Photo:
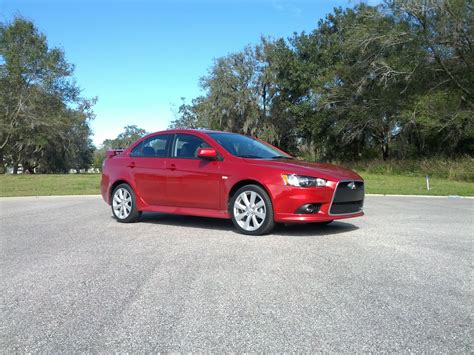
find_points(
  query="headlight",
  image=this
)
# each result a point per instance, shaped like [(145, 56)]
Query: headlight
[(302, 181)]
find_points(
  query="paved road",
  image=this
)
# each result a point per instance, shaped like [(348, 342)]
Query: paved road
[(72, 279)]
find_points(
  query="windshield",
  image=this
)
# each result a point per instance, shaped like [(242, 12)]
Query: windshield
[(246, 147)]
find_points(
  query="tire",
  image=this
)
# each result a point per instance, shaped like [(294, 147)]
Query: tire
[(246, 216), (123, 203)]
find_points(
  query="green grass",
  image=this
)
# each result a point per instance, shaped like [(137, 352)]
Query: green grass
[(88, 184), (460, 169), (46, 185), (414, 185)]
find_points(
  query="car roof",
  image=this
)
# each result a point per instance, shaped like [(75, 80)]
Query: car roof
[(191, 130), (176, 131)]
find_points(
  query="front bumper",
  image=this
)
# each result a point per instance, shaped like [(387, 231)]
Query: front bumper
[(346, 203)]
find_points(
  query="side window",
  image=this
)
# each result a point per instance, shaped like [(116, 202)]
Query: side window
[(137, 151), (187, 146), (153, 147)]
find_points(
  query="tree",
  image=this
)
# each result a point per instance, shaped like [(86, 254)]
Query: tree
[(367, 81), (40, 104), (130, 134), (393, 80), (188, 116), (230, 100), (440, 121), (242, 95)]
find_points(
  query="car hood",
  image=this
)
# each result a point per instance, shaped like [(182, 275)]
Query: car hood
[(322, 170)]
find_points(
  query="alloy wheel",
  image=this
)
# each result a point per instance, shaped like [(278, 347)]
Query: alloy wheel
[(122, 203), (249, 210)]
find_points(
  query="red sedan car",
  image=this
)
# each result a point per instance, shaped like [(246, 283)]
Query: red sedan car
[(226, 175)]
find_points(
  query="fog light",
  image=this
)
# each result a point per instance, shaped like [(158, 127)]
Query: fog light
[(309, 208)]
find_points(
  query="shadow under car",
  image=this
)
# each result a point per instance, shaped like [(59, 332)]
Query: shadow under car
[(297, 230)]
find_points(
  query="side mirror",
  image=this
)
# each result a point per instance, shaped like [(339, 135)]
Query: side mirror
[(207, 153)]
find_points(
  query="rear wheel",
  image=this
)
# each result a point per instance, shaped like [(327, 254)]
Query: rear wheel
[(252, 211), (124, 206)]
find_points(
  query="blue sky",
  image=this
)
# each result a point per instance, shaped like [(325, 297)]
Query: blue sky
[(140, 57)]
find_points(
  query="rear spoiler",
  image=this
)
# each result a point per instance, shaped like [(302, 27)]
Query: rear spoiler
[(113, 152)]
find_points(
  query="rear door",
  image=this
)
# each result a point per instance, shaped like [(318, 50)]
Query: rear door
[(192, 182), (147, 164)]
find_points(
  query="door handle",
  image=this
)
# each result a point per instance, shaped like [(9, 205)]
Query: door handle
[(131, 164), (172, 167)]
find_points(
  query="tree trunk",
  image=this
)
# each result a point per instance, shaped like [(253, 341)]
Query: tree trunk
[(385, 152), (15, 168), (28, 168), (3, 170)]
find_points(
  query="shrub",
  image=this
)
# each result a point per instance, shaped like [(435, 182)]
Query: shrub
[(460, 169)]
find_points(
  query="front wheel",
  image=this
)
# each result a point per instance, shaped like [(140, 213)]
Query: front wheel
[(124, 206), (252, 211)]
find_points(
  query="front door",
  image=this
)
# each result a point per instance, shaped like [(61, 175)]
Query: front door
[(192, 182)]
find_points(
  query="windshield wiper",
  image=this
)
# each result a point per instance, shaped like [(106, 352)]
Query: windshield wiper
[(249, 156), (281, 157)]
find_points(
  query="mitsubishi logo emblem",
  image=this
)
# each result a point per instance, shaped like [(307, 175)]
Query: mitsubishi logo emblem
[(352, 185)]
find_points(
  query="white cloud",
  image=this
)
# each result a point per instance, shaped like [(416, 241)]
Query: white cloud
[(286, 6)]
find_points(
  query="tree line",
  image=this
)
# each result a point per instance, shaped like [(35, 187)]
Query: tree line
[(388, 81)]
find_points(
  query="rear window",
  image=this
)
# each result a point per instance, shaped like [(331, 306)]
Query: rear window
[(153, 147)]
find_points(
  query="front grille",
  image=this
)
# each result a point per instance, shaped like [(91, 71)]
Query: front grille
[(348, 198), (346, 207)]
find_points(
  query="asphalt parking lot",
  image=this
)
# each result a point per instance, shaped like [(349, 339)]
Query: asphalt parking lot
[(74, 280)]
